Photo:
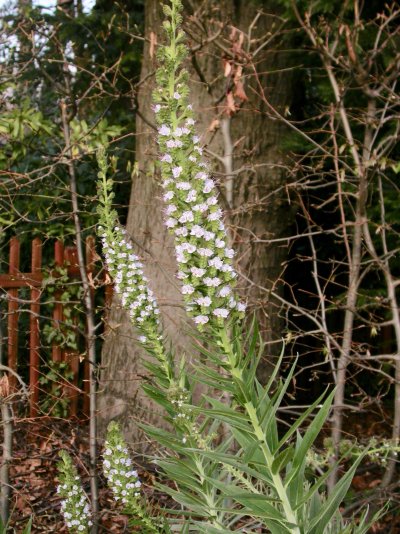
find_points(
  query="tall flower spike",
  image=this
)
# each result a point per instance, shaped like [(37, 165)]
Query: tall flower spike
[(123, 479), (126, 269), (74, 504), (192, 214)]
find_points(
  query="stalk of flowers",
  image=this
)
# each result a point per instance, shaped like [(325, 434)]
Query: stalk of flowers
[(192, 214), (126, 269), (123, 479), (74, 505)]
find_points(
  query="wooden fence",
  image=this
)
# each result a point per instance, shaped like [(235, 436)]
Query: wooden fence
[(10, 284)]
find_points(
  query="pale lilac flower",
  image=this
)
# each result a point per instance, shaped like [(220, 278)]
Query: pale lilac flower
[(178, 143), (164, 130), (215, 215), (232, 302), (197, 231), (166, 158), (157, 108), (170, 209), (171, 143), (196, 139), (212, 282), (177, 96), (181, 258), (198, 272), (212, 201), (201, 319), (190, 122), (224, 291), (219, 243), (208, 236), (221, 312), (187, 289), (206, 252), (241, 307), (204, 301), (181, 275), (229, 253), (170, 223), (201, 176), (187, 216), (208, 186), (200, 207), (226, 268), (184, 186), (192, 158), (183, 231), (187, 247), (216, 262), (176, 171), (191, 196), (169, 195), (178, 132)]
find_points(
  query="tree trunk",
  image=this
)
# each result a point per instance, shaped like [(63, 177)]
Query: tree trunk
[(255, 198)]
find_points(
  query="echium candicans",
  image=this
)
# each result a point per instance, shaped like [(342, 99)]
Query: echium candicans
[(74, 504), (126, 269), (123, 480), (192, 213)]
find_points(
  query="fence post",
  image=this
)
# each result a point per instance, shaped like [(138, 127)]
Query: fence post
[(13, 314), (56, 351), (72, 356), (34, 336)]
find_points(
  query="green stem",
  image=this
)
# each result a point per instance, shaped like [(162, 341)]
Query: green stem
[(248, 405)]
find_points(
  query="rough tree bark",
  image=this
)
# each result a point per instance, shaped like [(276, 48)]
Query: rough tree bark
[(250, 168)]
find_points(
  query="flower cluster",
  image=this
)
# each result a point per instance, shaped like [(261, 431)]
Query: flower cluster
[(126, 269), (74, 504), (117, 467), (192, 213), (131, 284)]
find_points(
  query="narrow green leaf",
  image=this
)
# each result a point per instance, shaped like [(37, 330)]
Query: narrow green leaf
[(281, 460), (309, 438), (331, 506)]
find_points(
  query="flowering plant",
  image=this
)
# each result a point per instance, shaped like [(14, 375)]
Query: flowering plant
[(256, 477), (192, 211), (124, 481), (74, 504)]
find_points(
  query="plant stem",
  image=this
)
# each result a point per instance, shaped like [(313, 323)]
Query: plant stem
[(90, 324), (248, 405)]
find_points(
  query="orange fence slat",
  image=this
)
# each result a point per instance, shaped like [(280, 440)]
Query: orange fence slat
[(21, 280), (12, 323), (56, 351), (72, 356), (34, 335)]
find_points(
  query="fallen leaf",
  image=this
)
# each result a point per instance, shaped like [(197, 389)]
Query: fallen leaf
[(227, 68), (214, 125), (230, 104), (239, 91)]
